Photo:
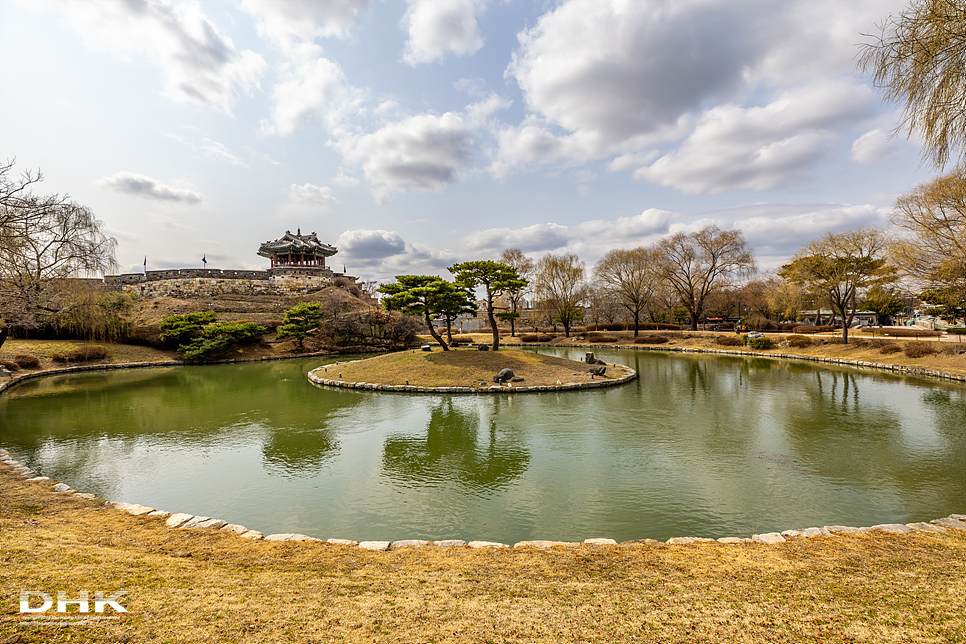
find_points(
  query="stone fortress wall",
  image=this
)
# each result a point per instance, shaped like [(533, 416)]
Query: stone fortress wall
[(205, 282)]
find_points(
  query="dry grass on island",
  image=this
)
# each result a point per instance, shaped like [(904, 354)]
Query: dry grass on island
[(467, 368)]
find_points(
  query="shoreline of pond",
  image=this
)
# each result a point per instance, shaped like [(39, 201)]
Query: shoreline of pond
[(184, 520)]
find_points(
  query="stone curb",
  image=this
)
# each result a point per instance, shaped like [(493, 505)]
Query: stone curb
[(315, 379), (184, 521)]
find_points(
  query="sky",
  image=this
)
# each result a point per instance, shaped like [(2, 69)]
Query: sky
[(413, 134)]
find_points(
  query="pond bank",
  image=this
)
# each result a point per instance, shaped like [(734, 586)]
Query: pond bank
[(209, 585)]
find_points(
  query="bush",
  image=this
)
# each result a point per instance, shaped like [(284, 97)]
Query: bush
[(804, 328), (650, 339), (956, 330), (27, 361), (762, 324), (729, 341), (759, 344), (889, 348), (536, 337), (643, 326), (178, 329), (9, 365), (920, 349), (81, 354), (908, 333), (218, 339), (601, 337), (800, 341)]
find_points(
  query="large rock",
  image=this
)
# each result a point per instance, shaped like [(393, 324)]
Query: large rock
[(374, 545), (950, 523), (505, 375), (892, 527), (204, 522), (177, 519), (596, 541), (598, 370), (768, 537), (542, 543), (486, 544), (483, 347)]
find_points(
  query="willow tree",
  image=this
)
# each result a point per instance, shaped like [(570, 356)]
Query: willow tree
[(838, 267), (918, 60), (932, 250), (45, 241), (698, 264)]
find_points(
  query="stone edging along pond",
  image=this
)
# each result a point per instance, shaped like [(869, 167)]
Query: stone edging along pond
[(188, 521)]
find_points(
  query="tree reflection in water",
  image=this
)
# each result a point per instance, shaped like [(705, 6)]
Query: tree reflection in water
[(454, 449), (299, 452)]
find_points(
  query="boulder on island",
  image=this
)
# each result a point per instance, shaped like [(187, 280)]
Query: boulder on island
[(504, 376), (483, 347), (598, 370)]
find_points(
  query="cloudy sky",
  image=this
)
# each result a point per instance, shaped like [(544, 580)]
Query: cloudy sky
[(415, 133)]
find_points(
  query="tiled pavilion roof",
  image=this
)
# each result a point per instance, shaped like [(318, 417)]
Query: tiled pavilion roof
[(296, 244)]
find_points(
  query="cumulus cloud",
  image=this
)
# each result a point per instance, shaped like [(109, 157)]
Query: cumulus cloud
[(312, 87), (438, 28), (634, 80), (311, 194), (198, 63), (371, 244), (139, 185), (875, 146), (619, 68), (286, 21), (761, 148), (423, 152)]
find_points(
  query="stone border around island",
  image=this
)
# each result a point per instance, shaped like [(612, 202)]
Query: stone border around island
[(490, 389), (184, 521), (189, 521)]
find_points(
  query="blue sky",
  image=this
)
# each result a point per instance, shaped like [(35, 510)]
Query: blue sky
[(413, 134)]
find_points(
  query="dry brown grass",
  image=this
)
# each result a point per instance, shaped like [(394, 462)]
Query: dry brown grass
[(204, 586), (43, 350), (464, 368)]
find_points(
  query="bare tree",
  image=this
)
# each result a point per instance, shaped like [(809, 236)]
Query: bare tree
[(918, 59), (933, 250), (837, 268), (698, 264), (559, 284), (631, 276), (44, 241), (604, 305), (524, 266)]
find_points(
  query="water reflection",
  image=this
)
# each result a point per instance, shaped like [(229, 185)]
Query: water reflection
[(455, 448), (299, 453)]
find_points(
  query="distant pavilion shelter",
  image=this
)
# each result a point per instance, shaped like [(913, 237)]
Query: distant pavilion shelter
[(297, 250)]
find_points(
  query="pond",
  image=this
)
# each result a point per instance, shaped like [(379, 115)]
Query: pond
[(698, 446)]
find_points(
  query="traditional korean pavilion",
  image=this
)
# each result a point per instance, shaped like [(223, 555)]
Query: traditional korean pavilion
[(297, 251)]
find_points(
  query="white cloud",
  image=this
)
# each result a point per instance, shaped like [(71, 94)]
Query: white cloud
[(875, 146), (423, 152), (218, 150), (197, 62), (288, 21), (139, 185), (761, 148), (438, 28), (371, 244), (619, 68), (312, 87), (315, 195)]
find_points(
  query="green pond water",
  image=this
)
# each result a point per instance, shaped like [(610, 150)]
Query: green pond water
[(697, 446)]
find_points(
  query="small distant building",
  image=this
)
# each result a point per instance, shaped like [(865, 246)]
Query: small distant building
[(297, 266)]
